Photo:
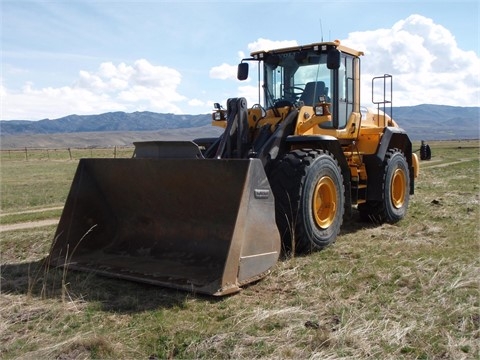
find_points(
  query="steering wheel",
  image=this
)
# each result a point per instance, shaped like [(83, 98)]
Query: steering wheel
[(290, 92)]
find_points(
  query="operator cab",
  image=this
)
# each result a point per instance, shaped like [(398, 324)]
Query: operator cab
[(308, 75)]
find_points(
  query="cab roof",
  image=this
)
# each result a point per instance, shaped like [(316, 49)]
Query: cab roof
[(314, 46)]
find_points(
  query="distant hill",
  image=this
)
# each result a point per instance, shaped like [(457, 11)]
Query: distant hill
[(112, 121), (439, 122), (422, 122)]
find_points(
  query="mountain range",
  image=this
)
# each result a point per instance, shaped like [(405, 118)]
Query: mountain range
[(422, 122), (112, 121)]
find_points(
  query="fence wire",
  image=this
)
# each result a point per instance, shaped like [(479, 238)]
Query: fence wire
[(30, 154)]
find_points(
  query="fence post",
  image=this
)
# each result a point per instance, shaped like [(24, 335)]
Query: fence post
[(26, 154), (115, 152), (70, 153)]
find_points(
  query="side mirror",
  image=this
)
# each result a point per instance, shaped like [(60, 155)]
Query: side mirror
[(333, 59), (242, 71)]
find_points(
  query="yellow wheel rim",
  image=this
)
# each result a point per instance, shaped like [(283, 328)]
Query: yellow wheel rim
[(398, 186), (324, 202)]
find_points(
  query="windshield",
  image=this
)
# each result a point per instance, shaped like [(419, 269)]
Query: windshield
[(300, 77)]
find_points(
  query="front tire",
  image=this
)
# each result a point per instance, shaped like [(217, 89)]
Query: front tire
[(309, 199)]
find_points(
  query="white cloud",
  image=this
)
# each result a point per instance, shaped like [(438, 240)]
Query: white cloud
[(266, 44), (250, 93), (197, 103), (424, 58), (122, 87), (148, 75), (224, 72), (425, 61), (54, 102)]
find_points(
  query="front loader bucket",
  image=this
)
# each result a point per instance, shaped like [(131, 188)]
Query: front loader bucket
[(201, 225)]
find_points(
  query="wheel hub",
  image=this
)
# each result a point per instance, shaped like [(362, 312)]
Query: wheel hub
[(324, 202), (398, 187)]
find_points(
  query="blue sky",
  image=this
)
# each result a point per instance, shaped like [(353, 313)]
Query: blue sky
[(62, 57)]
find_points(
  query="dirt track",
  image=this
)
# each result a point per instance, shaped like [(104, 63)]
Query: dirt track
[(29, 224), (443, 164)]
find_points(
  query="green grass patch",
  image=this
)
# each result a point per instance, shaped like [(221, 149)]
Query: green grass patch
[(403, 291), (42, 178), (35, 184)]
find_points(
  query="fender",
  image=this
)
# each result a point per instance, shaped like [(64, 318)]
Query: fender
[(331, 144), (397, 138), (393, 138)]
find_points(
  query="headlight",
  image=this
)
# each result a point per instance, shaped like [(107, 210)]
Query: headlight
[(218, 115), (322, 109), (319, 110)]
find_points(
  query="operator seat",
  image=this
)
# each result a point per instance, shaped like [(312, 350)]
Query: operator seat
[(312, 91)]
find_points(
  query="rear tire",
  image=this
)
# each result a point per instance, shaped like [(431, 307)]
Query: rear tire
[(425, 152), (395, 192), (309, 199)]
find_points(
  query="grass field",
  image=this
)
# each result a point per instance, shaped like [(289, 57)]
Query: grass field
[(403, 291)]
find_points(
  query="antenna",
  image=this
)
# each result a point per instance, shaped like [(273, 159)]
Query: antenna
[(321, 29)]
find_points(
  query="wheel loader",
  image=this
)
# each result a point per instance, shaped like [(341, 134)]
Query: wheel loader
[(213, 214)]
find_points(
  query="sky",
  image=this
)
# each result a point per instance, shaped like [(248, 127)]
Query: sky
[(63, 57)]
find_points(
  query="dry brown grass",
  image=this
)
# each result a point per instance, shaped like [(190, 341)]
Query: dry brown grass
[(404, 291)]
